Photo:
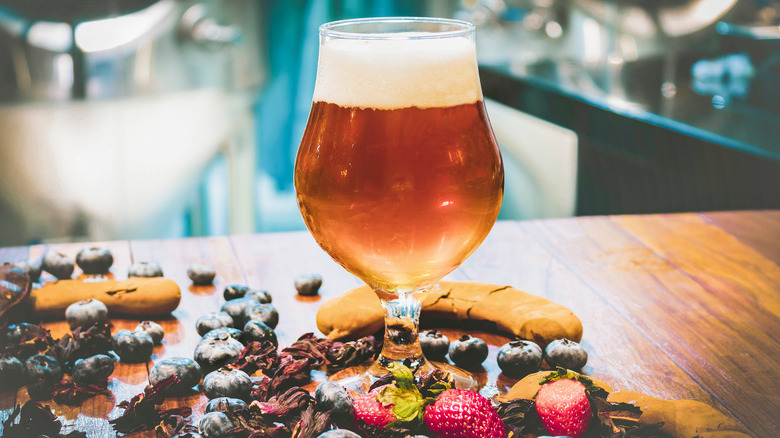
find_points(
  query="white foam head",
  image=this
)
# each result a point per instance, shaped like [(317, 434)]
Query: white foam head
[(398, 73)]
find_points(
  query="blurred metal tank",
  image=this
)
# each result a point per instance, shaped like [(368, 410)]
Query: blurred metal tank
[(110, 110)]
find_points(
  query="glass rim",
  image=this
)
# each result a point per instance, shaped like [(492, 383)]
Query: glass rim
[(331, 29)]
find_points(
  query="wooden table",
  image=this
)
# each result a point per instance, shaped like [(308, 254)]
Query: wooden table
[(675, 306)]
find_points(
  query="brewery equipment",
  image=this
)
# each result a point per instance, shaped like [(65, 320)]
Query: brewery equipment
[(111, 110)]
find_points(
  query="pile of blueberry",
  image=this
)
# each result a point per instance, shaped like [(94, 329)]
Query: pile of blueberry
[(41, 372), (516, 358)]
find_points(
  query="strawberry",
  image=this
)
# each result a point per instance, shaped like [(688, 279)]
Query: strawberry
[(398, 404), (369, 411), (563, 407), (460, 413)]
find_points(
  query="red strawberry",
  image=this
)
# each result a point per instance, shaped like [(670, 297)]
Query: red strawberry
[(460, 413), (563, 407), (371, 412)]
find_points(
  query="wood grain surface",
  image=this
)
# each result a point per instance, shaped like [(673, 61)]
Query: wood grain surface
[(683, 306)]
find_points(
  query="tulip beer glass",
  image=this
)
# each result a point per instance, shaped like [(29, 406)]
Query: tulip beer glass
[(398, 175)]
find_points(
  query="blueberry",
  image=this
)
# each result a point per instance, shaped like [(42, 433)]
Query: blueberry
[(58, 265), (265, 313), (227, 382), (94, 260), (211, 354), (229, 332), (262, 296), (338, 433), (226, 404), (41, 373), (11, 373), (16, 333), (93, 370), (434, 344), (201, 275), (188, 435), (144, 269), (154, 330), (567, 354), (213, 320), (309, 284), (31, 267), (519, 358), (256, 331), (86, 313), (132, 347), (214, 425), (468, 352), (236, 308), (334, 398), (234, 291), (186, 369)]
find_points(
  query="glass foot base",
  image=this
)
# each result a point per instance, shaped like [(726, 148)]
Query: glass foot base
[(360, 379)]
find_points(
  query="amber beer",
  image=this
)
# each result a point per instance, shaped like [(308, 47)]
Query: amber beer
[(398, 175)]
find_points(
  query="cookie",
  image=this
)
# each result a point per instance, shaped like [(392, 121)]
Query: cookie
[(358, 313)]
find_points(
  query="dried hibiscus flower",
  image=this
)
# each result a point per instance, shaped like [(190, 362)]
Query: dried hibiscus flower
[(257, 356), (24, 340), (142, 412), (83, 343), (309, 347), (35, 420), (343, 355), (71, 393)]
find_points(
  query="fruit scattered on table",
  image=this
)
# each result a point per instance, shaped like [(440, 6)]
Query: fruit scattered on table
[(333, 397), (265, 313), (262, 296), (338, 433), (227, 382), (132, 347), (256, 331), (154, 330), (213, 353), (233, 291), (566, 354), (94, 260), (144, 269), (32, 267), (200, 274), (185, 369), (308, 284), (435, 345), (41, 373), (223, 331), (93, 370), (214, 425), (11, 372), (468, 352), (58, 264), (226, 404), (519, 358), (563, 407), (460, 413), (85, 313), (237, 307), (212, 321)]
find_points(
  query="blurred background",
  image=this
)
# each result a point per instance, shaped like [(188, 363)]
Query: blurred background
[(127, 119)]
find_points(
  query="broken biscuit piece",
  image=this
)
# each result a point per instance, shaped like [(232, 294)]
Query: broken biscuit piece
[(358, 313)]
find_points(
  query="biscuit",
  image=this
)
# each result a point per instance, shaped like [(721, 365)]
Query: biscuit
[(358, 313)]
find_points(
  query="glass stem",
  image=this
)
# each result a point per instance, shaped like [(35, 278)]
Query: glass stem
[(402, 341)]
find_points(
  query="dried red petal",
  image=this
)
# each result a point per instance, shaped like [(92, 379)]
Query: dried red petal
[(71, 393)]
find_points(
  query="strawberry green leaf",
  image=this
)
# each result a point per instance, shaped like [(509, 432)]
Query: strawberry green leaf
[(408, 404), (562, 373), (404, 377)]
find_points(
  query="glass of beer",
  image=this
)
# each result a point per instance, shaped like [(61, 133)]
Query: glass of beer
[(398, 175)]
